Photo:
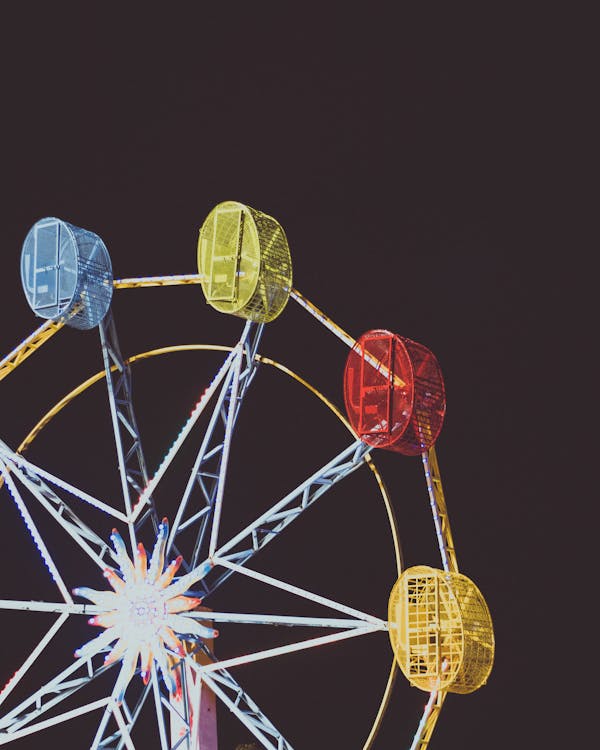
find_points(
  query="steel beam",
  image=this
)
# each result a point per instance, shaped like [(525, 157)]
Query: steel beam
[(439, 510), (209, 471), (93, 545), (130, 457), (239, 702), (270, 524)]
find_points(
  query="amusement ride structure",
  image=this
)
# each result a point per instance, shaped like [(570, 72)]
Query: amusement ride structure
[(154, 642)]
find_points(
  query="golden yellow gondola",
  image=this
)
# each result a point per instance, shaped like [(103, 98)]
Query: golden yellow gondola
[(441, 630), (244, 259)]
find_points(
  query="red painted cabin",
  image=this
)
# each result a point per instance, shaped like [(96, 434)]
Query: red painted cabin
[(394, 393)]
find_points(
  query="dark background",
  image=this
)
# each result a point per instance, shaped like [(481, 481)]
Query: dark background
[(422, 170)]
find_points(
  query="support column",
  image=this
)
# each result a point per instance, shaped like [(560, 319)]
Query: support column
[(198, 705)]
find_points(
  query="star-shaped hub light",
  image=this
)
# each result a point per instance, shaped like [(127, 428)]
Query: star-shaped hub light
[(142, 614)]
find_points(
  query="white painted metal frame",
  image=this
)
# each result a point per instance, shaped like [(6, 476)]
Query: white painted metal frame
[(130, 457), (62, 513), (209, 475), (210, 467)]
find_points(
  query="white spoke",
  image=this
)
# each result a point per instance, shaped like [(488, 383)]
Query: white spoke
[(50, 564), (116, 710), (288, 649), (60, 607), (185, 431), (208, 475), (285, 620), (111, 705), (17, 735), (19, 460), (254, 720), (176, 717), (381, 624), (101, 727), (78, 531), (131, 717), (55, 686), (338, 467), (176, 527), (270, 524), (22, 670), (226, 445), (137, 710)]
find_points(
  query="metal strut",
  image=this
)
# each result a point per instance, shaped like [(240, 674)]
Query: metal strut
[(77, 675), (94, 546), (239, 702), (34, 341), (428, 720), (121, 737), (132, 464), (439, 510), (443, 532), (147, 281), (108, 739), (27, 347), (269, 525), (209, 472)]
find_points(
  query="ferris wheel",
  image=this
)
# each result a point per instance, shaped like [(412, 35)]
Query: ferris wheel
[(153, 636)]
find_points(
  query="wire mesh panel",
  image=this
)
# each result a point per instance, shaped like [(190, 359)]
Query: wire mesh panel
[(66, 270), (378, 388), (441, 630), (394, 392), (429, 404), (244, 258)]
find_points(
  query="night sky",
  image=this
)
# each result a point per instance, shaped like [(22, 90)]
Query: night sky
[(417, 167)]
